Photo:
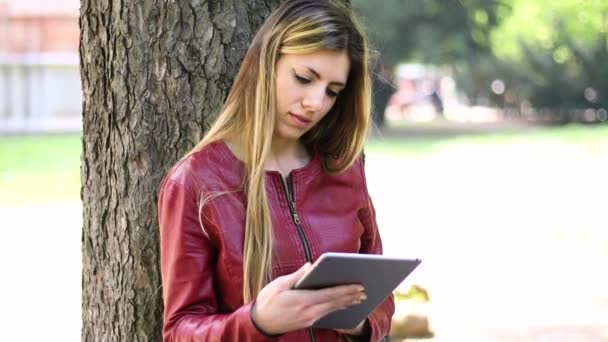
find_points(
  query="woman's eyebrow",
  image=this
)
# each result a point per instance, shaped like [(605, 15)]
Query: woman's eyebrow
[(317, 75)]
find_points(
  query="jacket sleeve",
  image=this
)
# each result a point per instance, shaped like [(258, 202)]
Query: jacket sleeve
[(188, 261), (380, 319)]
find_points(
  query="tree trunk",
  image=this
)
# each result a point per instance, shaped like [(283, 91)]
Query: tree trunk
[(154, 73)]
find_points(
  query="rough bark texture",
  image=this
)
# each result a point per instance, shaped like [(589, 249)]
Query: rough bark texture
[(153, 74)]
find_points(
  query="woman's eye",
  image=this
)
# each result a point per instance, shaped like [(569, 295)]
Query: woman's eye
[(331, 93), (301, 79)]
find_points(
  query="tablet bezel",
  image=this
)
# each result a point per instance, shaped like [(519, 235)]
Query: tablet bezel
[(379, 274)]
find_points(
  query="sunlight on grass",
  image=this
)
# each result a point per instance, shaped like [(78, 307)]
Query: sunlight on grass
[(39, 169), (593, 138)]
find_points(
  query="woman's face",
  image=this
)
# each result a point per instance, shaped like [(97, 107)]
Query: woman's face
[(307, 88)]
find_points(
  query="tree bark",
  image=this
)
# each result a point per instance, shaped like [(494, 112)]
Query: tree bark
[(154, 73)]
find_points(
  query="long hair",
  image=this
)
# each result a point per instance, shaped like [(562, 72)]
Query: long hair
[(295, 27)]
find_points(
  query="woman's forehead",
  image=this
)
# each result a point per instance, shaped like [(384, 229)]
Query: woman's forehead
[(325, 64)]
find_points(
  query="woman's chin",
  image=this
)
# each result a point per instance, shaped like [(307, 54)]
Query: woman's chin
[(289, 133)]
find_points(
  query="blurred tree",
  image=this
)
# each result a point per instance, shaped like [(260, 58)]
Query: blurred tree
[(432, 31), (382, 89), (153, 73), (429, 32), (554, 53), (547, 53)]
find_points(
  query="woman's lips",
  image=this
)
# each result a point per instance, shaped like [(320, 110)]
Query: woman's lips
[(299, 120)]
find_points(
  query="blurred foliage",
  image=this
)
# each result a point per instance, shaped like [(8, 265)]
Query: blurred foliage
[(541, 22), (430, 31), (555, 53), (414, 292), (548, 53)]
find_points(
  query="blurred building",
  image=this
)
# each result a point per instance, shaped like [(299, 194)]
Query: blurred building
[(40, 88)]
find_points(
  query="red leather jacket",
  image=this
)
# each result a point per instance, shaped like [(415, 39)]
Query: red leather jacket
[(202, 272)]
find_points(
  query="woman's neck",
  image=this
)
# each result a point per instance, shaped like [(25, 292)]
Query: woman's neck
[(286, 148), (286, 156)]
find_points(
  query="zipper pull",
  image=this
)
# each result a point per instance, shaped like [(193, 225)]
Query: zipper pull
[(296, 218)]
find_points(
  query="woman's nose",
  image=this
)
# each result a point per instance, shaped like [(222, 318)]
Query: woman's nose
[(313, 100)]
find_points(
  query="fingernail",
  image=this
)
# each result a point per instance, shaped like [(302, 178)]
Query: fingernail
[(363, 297)]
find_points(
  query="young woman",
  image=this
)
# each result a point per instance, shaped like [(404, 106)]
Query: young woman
[(276, 181)]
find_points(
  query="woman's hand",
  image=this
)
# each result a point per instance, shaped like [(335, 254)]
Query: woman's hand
[(279, 308)]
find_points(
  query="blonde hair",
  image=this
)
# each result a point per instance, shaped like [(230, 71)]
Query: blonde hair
[(295, 27)]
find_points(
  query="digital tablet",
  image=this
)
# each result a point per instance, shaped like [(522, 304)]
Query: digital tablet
[(379, 274)]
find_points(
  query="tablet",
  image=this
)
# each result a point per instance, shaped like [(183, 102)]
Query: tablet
[(379, 274)]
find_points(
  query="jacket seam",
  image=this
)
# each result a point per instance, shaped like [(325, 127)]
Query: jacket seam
[(363, 181), (191, 189)]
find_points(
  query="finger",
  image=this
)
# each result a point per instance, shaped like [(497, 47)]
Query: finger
[(339, 303), (288, 281), (343, 293), (323, 309)]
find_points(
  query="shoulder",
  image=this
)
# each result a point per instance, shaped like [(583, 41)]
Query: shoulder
[(356, 176), (357, 170), (204, 168), (352, 177)]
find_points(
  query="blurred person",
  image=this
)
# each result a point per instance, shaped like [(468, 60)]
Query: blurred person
[(431, 92), (277, 180), (401, 99)]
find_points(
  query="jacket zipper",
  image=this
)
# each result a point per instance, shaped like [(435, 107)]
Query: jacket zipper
[(288, 187)]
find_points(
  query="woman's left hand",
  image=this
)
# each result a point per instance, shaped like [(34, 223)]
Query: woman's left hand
[(361, 329)]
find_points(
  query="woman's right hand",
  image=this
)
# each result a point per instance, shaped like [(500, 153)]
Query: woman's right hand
[(279, 308)]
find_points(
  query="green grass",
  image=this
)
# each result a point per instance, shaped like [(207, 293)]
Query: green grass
[(595, 137), (402, 146), (47, 168), (39, 169)]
